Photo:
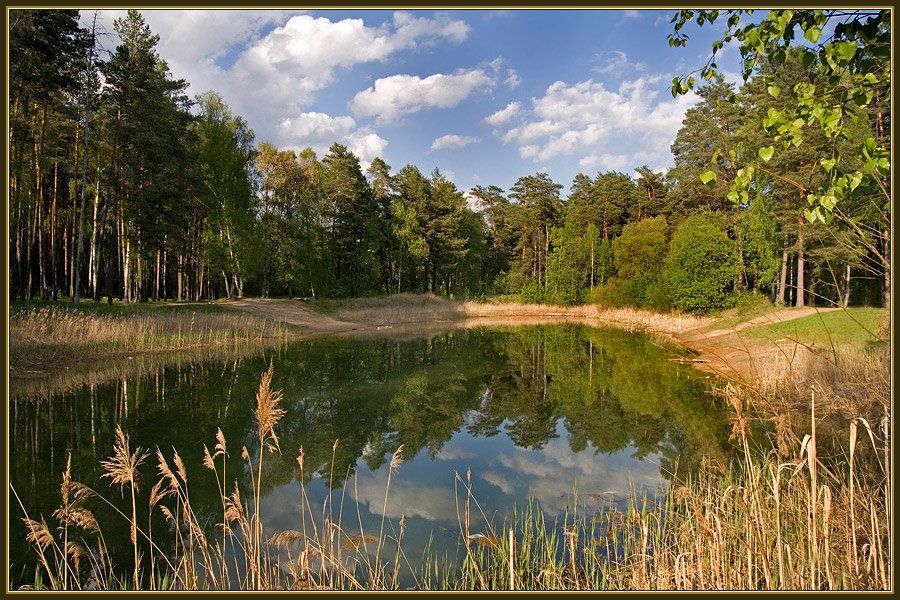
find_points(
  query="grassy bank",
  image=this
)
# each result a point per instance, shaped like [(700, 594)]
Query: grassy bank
[(47, 335), (792, 513), (857, 327)]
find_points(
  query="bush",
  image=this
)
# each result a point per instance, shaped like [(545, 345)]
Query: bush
[(639, 253), (702, 264), (609, 295), (641, 248), (508, 283), (658, 296), (531, 292)]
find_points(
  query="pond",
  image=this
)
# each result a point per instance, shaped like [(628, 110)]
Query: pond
[(557, 414)]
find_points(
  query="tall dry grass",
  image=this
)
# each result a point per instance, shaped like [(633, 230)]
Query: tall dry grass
[(771, 523), (781, 517), (408, 308), (57, 334)]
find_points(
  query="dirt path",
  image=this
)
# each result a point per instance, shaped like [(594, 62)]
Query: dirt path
[(737, 357), (293, 313)]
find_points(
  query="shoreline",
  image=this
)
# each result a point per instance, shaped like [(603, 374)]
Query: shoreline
[(725, 352)]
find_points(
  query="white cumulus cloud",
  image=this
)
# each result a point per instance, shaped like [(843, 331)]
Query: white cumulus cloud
[(319, 130), (392, 97), (270, 73), (588, 119), (452, 141), (512, 79), (504, 114)]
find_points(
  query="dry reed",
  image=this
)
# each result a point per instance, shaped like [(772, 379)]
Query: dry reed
[(407, 308), (52, 336), (792, 518)]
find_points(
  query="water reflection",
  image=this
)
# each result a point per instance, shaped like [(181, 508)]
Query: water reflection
[(533, 412)]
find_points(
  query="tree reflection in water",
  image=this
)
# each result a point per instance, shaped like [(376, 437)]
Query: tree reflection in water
[(531, 410)]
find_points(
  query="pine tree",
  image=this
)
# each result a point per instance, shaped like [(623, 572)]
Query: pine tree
[(352, 213)]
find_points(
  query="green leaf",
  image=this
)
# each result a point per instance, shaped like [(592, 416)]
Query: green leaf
[(845, 50), (774, 91), (827, 164), (708, 178), (766, 153), (807, 58), (813, 34)]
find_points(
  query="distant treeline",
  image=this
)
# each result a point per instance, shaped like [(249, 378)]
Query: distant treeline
[(122, 187)]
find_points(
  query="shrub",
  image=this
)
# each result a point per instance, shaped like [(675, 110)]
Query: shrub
[(639, 253), (531, 292), (609, 295), (702, 264), (641, 248)]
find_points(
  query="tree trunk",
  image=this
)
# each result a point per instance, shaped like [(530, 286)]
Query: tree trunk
[(156, 275), (801, 268), (812, 289), (94, 260), (792, 289), (180, 276), (111, 256), (127, 272), (53, 275), (782, 282), (84, 169), (592, 259), (42, 275), (845, 302)]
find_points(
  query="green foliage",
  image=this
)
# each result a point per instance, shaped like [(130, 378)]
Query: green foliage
[(224, 153), (760, 244), (638, 256), (149, 129), (854, 73), (699, 180), (185, 205), (641, 248), (604, 202), (701, 265), (351, 211), (568, 263), (648, 197), (531, 292), (540, 210)]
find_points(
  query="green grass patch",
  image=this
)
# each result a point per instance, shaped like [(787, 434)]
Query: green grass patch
[(747, 307), (860, 327)]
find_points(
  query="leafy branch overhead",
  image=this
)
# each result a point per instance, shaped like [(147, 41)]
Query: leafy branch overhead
[(848, 53)]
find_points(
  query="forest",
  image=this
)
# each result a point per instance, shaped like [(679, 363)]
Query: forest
[(595, 382), (121, 186)]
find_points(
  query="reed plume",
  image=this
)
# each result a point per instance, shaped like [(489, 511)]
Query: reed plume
[(122, 469)]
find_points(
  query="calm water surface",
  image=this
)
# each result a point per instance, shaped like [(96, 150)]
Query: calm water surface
[(531, 412)]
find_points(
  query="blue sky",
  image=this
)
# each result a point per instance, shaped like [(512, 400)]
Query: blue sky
[(486, 96)]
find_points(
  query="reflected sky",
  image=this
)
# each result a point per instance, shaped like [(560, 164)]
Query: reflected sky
[(538, 412)]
